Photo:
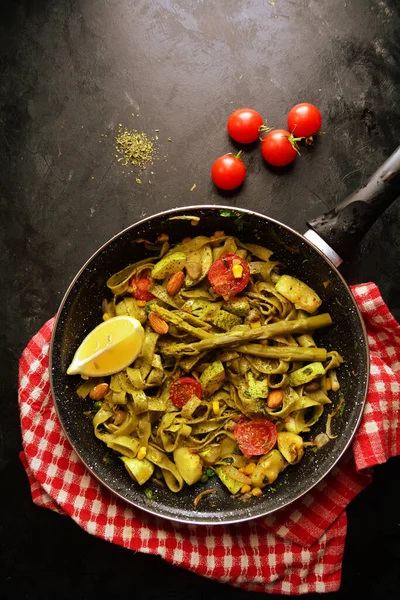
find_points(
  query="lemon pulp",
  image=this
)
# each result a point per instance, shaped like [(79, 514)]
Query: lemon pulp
[(110, 347)]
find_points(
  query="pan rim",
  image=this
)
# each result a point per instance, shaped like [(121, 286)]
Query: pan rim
[(172, 211)]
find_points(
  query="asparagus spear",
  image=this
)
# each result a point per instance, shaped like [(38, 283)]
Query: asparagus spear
[(238, 337), (287, 353), (173, 317), (193, 320)]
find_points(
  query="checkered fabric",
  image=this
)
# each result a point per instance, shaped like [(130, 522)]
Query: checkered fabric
[(295, 551)]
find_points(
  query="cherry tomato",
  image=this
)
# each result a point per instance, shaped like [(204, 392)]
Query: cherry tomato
[(304, 120), (277, 149), (243, 125), (228, 171), (183, 389), (139, 287), (222, 278), (255, 437)]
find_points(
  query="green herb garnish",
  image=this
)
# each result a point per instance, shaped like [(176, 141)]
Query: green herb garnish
[(108, 459), (239, 221), (224, 212), (149, 493), (238, 216), (278, 484), (148, 306)]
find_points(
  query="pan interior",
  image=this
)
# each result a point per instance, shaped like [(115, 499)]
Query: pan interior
[(80, 312)]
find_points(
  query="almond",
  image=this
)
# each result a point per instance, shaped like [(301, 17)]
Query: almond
[(158, 324), (175, 283), (99, 391), (275, 398)]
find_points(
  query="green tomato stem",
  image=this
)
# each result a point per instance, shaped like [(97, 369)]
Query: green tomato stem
[(239, 154), (263, 129), (293, 141)]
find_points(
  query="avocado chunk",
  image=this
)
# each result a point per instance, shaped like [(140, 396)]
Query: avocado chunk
[(213, 377), (238, 306), (232, 485), (225, 320), (299, 293), (306, 374), (257, 388), (169, 265), (204, 257), (139, 470)]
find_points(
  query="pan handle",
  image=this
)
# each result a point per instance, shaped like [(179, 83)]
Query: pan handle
[(343, 227)]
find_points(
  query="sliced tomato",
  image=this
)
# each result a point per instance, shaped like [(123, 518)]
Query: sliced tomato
[(222, 279), (255, 437), (183, 389), (140, 287)]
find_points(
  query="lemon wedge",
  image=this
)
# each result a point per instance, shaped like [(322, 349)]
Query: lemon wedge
[(108, 348)]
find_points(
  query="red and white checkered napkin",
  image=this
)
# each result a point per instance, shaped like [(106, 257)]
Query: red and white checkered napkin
[(295, 551)]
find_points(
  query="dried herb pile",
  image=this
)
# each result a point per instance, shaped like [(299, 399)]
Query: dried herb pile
[(135, 147)]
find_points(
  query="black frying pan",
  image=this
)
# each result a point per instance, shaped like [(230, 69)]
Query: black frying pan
[(80, 311)]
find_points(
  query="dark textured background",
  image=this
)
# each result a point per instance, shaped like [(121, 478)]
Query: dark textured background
[(71, 71)]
